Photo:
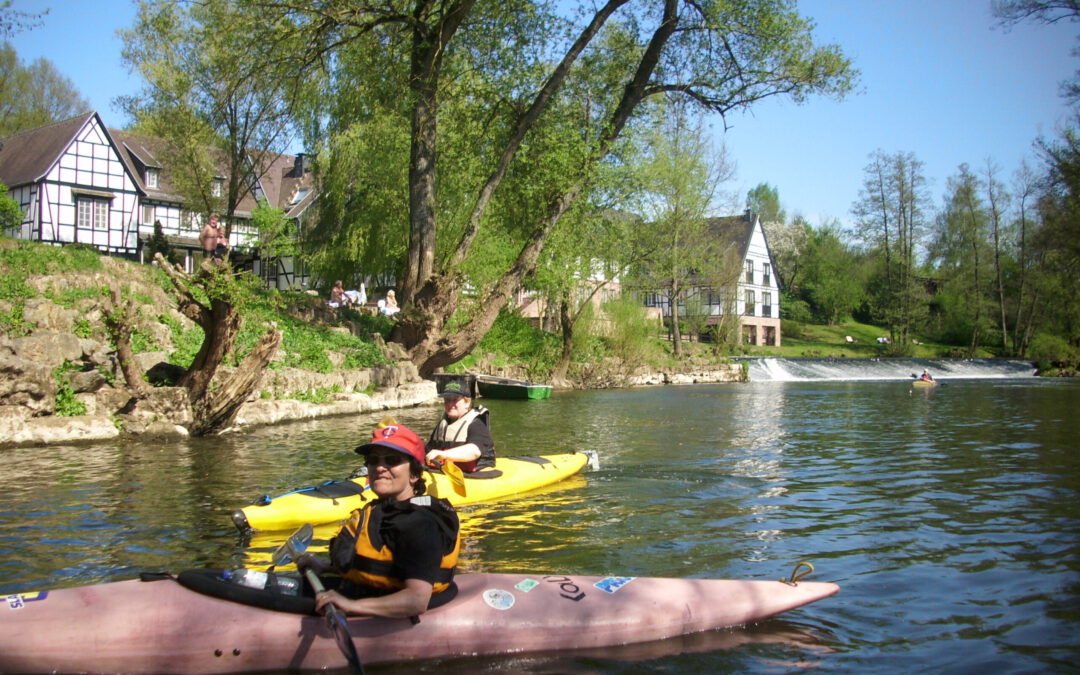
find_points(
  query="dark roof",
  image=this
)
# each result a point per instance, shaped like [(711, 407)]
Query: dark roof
[(734, 233), (27, 156)]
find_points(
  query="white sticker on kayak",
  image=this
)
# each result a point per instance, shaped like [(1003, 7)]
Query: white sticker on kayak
[(526, 585), (612, 584), (19, 600), (498, 599)]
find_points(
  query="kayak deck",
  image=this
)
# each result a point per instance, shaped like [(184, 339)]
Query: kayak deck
[(333, 501)]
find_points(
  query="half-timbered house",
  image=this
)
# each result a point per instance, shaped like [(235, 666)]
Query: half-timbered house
[(78, 181), (752, 294)]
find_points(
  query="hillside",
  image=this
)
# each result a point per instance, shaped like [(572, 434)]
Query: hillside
[(61, 378)]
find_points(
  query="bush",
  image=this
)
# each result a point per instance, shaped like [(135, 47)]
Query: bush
[(1050, 350)]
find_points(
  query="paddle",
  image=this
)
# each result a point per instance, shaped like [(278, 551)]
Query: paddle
[(453, 472), (293, 547)]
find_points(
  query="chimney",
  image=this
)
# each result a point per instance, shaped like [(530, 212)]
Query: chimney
[(302, 165)]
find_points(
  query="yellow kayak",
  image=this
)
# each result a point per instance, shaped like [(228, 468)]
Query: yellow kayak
[(333, 501), (919, 384)]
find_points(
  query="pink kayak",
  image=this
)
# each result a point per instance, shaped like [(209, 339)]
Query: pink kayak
[(161, 626)]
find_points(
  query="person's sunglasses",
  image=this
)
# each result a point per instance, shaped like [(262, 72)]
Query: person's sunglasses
[(389, 461)]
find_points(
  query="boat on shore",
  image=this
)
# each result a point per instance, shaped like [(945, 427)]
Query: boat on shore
[(163, 626), (490, 386), (334, 500)]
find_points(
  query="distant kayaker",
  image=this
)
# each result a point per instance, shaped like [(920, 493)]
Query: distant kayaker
[(462, 435), (926, 376), (397, 554)]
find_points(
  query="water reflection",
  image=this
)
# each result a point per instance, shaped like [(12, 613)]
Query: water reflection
[(948, 516)]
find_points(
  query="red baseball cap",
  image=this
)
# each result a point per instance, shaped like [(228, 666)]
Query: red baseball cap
[(396, 437)]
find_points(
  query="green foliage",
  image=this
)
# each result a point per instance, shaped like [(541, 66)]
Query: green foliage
[(318, 396), (158, 243), (514, 339), (20, 259), (10, 213), (1049, 350), (305, 345), (33, 95), (630, 336), (186, 342), (764, 200), (83, 329), (66, 403)]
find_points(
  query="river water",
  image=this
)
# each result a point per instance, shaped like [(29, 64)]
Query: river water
[(949, 517)]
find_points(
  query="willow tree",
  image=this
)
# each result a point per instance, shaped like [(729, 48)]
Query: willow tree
[(722, 56)]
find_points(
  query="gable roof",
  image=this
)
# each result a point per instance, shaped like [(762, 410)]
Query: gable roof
[(734, 233), (27, 156)]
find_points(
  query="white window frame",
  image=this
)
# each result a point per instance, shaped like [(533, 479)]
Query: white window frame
[(751, 302), (217, 187), (152, 178), (92, 212), (749, 271)]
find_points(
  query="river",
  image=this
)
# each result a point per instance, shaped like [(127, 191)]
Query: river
[(949, 517)]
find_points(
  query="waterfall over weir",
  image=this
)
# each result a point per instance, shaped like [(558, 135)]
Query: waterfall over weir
[(764, 369)]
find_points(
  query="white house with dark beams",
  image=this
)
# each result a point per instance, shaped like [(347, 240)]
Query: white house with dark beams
[(755, 298), (78, 181)]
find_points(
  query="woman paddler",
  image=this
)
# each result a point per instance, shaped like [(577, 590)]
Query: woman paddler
[(397, 554)]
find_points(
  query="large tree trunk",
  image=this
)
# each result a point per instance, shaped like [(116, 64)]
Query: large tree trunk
[(215, 410), (422, 328)]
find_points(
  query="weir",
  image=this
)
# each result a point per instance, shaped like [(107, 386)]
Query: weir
[(763, 369)]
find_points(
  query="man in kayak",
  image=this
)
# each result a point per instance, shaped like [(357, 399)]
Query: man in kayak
[(462, 435), (396, 554), (926, 377)]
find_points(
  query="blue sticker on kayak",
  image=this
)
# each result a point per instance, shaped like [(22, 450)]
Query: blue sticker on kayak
[(19, 600), (612, 584)]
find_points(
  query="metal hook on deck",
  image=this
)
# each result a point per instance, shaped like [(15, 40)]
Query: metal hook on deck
[(796, 575)]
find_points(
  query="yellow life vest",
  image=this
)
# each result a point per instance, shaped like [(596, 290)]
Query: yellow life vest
[(359, 548)]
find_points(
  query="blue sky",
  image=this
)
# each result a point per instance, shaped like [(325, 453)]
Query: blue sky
[(938, 80)]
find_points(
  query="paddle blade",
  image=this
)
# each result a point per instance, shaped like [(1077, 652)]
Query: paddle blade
[(336, 619), (386, 421), (457, 479), (294, 546)]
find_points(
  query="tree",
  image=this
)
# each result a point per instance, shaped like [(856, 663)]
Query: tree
[(764, 200), (35, 95), (890, 215), (961, 249), (1012, 12), (723, 56), (681, 177), (220, 99), (997, 201), (787, 242), (14, 21), (1057, 241), (1025, 191), (833, 284), (213, 298), (11, 214)]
